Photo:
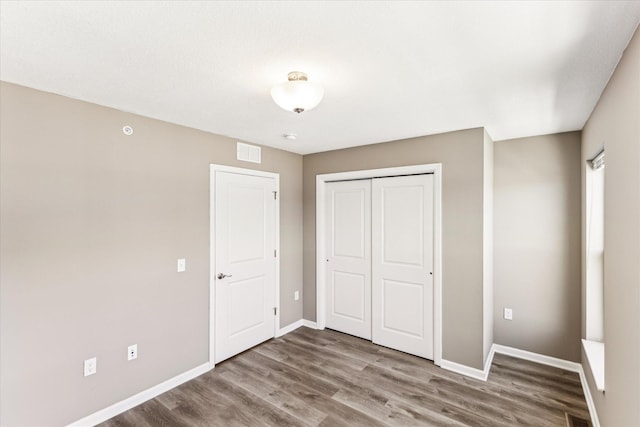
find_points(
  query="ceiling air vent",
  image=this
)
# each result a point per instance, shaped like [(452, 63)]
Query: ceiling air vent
[(248, 153)]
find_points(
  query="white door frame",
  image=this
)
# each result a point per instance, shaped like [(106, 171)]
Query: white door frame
[(213, 168), (321, 180)]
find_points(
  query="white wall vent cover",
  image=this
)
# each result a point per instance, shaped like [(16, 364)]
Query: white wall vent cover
[(249, 153)]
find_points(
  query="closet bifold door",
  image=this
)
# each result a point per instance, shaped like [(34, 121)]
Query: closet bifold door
[(348, 251), (402, 263)]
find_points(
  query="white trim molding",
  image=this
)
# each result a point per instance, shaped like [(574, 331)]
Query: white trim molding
[(322, 180), (135, 400), (557, 363), (465, 370), (290, 328), (295, 325), (589, 398), (538, 358), (148, 394), (309, 324), (483, 375), (468, 371), (594, 350)]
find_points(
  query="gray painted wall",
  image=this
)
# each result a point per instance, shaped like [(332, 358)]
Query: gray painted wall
[(537, 244), (461, 154), (615, 124), (92, 224)]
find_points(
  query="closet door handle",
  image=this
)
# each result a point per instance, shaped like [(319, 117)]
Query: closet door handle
[(222, 275)]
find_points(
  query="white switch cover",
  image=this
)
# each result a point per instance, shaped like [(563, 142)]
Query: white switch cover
[(182, 265), (508, 314), (296, 295), (132, 352), (90, 366)]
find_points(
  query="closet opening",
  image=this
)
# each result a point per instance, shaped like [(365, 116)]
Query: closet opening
[(378, 270)]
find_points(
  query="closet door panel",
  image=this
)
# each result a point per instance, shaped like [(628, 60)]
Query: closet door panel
[(348, 263), (402, 263)]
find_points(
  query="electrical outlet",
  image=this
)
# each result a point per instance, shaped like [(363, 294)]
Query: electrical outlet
[(90, 366), (508, 314), (182, 265), (296, 295), (132, 352)]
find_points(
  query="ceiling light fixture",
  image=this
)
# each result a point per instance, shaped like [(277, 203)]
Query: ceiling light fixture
[(298, 94), (290, 136)]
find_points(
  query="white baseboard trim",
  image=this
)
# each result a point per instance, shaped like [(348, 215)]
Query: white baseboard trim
[(295, 325), (463, 369), (589, 398), (468, 371), (557, 363), (148, 394), (533, 357), (135, 400), (290, 328), (309, 324), (538, 358)]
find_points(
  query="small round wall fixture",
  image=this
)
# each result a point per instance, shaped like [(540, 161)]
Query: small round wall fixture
[(297, 94), (127, 130)]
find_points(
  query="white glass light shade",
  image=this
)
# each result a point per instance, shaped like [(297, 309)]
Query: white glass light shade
[(297, 95)]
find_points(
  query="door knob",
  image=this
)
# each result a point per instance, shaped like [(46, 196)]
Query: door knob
[(222, 275)]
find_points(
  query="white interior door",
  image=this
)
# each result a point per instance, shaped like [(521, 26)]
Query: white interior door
[(348, 219), (245, 241), (402, 263)]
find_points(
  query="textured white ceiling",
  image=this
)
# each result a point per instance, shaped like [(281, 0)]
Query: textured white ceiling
[(391, 70)]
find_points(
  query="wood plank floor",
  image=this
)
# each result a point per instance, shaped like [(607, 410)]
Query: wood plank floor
[(326, 378)]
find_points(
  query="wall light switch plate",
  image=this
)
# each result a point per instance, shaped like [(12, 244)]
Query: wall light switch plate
[(508, 314), (90, 366), (182, 265), (296, 295), (132, 352)]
